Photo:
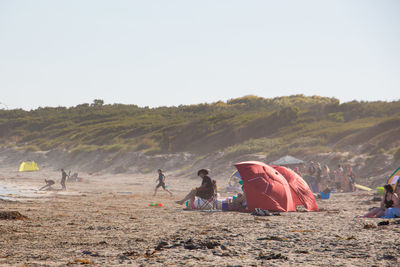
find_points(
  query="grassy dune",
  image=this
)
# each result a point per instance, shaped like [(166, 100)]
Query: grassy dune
[(294, 124)]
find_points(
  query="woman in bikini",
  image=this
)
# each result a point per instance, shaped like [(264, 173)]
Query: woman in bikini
[(387, 202)]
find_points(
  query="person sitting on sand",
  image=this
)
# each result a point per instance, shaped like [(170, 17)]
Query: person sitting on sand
[(394, 211), (386, 203), (48, 185), (73, 177), (205, 191), (161, 182), (239, 203)]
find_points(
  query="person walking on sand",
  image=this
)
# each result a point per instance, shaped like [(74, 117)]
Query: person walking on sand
[(161, 182), (63, 179)]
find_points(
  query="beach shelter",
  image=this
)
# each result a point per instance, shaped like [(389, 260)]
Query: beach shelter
[(28, 166), (265, 187), (234, 178), (287, 160), (234, 183), (394, 179), (301, 193)]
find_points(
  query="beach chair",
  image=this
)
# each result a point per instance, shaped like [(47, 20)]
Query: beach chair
[(208, 204)]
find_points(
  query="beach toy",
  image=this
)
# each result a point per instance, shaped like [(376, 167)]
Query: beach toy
[(362, 187), (380, 190), (155, 205), (325, 195)]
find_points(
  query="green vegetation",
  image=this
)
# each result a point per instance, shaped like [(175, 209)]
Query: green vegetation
[(294, 125)]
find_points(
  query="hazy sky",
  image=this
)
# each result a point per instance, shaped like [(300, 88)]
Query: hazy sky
[(163, 53)]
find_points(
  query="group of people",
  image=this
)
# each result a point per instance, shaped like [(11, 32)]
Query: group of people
[(321, 177), (49, 183)]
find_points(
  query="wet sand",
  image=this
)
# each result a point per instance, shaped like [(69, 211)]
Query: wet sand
[(106, 221)]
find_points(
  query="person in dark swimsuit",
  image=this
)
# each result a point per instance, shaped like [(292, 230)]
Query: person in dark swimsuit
[(394, 210), (387, 202), (161, 182), (63, 179), (205, 191)]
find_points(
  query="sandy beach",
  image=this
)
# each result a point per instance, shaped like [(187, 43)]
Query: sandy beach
[(106, 220), (283, 102)]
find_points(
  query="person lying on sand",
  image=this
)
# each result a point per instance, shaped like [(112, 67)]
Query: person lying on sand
[(48, 185), (205, 191), (161, 182), (386, 203)]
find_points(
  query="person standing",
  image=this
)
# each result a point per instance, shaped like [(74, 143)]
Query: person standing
[(63, 179), (326, 176), (161, 182), (339, 178), (346, 178), (318, 176), (352, 179), (313, 180)]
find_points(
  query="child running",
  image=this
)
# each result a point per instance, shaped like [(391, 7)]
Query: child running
[(161, 182)]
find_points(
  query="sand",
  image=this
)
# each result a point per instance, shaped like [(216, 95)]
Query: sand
[(106, 221)]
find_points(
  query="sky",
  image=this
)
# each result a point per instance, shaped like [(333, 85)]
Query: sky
[(169, 53)]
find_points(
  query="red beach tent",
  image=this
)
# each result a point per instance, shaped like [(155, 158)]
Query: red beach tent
[(301, 193), (265, 187)]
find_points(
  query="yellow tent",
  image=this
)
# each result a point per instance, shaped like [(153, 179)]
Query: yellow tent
[(28, 166)]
